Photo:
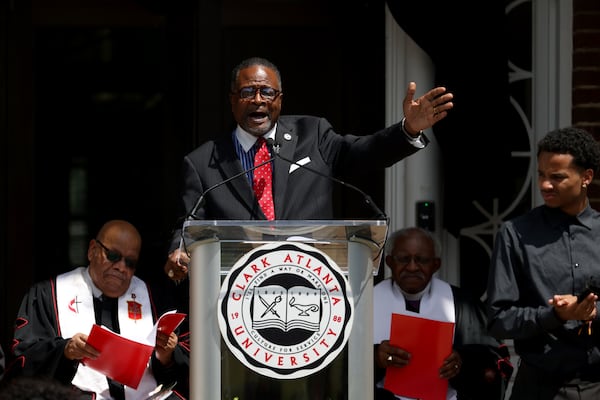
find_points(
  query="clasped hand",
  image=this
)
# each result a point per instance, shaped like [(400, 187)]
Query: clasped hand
[(176, 266), (568, 308), (390, 356)]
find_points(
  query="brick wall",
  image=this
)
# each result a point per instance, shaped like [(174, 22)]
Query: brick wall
[(586, 75)]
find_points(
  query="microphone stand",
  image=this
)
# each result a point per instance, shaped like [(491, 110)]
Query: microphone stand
[(192, 214), (380, 214)]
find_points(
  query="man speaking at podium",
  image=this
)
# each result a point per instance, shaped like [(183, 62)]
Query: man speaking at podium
[(284, 167), (226, 178)]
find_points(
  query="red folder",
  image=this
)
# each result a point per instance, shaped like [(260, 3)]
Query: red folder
[(124, 360), (121, 359), (169, 321), (429, 343)]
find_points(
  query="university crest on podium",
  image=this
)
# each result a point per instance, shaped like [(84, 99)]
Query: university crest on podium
[(285, 310)]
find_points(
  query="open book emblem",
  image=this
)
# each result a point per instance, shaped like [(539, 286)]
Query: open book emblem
[(285, 310), (300, 309)]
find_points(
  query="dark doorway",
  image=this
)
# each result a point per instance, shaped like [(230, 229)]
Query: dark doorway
[(101, 100)]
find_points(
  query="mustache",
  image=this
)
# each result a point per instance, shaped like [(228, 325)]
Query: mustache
[(412, 274), (115, 274)]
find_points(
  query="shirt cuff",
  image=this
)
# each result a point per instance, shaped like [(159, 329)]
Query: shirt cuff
[(418, 141)]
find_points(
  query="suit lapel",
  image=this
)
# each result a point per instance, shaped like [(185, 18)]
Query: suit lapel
[(228, 163)]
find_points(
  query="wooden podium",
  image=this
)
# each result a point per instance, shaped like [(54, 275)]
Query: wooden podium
[(356, 247)]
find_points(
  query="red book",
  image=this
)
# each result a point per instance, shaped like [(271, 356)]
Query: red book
[(124, 360), (429, 343), (169, 321), (121, 359)]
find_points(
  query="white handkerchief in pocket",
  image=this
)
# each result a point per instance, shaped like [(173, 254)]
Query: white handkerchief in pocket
[(295, 166)]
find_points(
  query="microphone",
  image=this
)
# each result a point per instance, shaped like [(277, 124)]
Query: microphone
[(200, 202), (380, 214)]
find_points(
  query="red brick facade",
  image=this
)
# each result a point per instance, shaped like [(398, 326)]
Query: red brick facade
[(586, 74)]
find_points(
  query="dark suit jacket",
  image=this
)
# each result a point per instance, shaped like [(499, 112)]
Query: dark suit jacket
[(299, 194)]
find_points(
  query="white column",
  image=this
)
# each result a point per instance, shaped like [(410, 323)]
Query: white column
[(418, 177), (205, 337), (360, 344), (552, 68)]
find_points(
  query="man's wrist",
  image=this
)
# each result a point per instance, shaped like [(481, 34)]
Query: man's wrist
[(419, 141), (407, 133)]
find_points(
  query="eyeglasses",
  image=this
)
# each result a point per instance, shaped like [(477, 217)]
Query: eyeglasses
[(405, 260), (114, 256), (266, 93)]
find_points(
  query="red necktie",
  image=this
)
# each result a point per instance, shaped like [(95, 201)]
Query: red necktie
[(263, 180)]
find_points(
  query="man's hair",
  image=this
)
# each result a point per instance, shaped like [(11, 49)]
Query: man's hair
[(249, 62), (38, 388), (391, 240), (574, 141)]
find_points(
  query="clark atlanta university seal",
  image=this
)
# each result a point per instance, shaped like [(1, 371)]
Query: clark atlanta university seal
[(285, 310)]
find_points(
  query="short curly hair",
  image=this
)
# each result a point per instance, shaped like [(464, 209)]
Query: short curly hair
[(577, 142), (412, 230), (38, 388), (250, 62)]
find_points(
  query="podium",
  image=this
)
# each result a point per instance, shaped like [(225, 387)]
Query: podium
[(217, 247)]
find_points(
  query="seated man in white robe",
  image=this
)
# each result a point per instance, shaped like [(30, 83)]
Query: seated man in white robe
[(478, 366), (56, 316)]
